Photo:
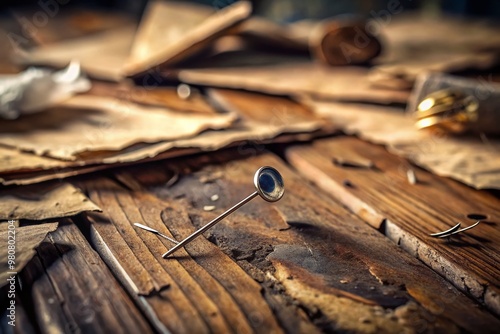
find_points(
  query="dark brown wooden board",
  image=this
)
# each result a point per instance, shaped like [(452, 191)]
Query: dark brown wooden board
[(383, 197), (70, 289), (304, 264), (186, 296)]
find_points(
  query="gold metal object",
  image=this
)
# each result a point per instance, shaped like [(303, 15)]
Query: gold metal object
[(449, 110)]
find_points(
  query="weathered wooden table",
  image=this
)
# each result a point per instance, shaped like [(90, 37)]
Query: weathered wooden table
[(347, 249)]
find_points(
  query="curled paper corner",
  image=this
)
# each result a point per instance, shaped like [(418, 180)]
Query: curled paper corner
[(36, 89)]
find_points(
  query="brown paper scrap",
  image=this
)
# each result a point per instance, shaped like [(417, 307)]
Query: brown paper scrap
[(13, 160), (43, 201), (170, 32), (27, 239), (58, 174), (91, 123), (339, 83), (263, 118), (473, 161)]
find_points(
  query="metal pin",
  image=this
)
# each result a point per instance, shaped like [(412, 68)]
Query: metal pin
[(268, 184), (453, 230), (152, 230)]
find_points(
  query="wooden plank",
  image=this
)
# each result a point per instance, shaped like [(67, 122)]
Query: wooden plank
[(276, 111), (330, 271), (72, 290), (407, 214), (203, 298), (165, 96)]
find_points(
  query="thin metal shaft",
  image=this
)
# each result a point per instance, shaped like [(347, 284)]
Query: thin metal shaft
[(209, 225), (460, 231), (451, 230), (152, 230)]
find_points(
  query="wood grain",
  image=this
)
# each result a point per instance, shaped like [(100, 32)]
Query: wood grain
[(72, 290), (165, 96), (407, 214), (303, 264), (210, 294)]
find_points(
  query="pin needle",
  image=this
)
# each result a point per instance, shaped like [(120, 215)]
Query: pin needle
[(149, 229), (451, 230), (209, 225), (268, 184), (460, 231)]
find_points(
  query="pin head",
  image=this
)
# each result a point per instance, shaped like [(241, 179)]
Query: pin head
[(269, 184)]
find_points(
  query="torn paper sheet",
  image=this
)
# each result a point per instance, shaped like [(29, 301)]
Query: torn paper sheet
[(168, 33), (207, 141), (263, 119), (43, 201), (171, 32), (13, 160), (88, 123), (339, 83), (471, 160), (34, 177), (37, 89), (27, 240), (417, 44)]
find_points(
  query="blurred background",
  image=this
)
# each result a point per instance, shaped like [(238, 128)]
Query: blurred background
[(292, 10), (174, 55)]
